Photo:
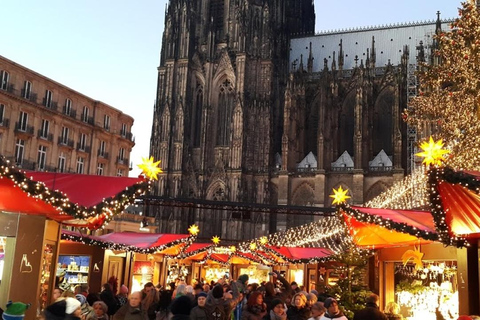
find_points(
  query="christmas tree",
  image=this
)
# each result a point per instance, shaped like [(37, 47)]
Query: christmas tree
[(449, 99)]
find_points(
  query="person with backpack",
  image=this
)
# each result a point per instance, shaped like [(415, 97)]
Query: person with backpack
[(220, 308)]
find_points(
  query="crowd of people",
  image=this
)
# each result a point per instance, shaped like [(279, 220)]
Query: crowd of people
[(223, 300)]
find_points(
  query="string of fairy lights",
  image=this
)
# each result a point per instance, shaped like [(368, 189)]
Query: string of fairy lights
[(95, 216)]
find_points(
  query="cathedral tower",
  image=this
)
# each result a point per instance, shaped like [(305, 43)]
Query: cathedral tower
[(218, 115)]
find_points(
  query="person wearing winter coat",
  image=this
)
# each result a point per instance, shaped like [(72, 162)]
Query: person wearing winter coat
[(278, 310), (298, 309), (100, 311), (371, 311), (333, 312), (271, 294), (199, 312), (108, 297), (181, 308), (64, 309), (216, 301), (255, 309), (132, 310)]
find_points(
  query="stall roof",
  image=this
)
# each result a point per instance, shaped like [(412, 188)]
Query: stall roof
[(169, 244), (85, 190)]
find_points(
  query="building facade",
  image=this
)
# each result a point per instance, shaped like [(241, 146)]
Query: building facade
[(45, 125), (253, 107)]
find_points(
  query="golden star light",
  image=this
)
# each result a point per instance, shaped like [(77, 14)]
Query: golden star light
[(216, 240), (193, 230), (253, 246), (150, 168), (432, 152), (233, 249), (339, 196), (263, 241)]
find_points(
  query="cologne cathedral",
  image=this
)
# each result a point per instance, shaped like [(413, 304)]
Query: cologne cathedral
[(253, 107)]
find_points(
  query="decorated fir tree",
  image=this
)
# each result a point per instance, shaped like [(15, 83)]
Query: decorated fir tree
[(449, 100)]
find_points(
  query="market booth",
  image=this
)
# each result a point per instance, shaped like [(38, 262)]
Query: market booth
[(31, 216)]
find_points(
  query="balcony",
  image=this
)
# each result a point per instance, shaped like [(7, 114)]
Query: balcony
[(123, 161), (128, 135), (83, 148), (62, 141), (71, 113), (23, 129), (102, 154), (53, 105), (26, 164), (87, 119), (44, 135), (5, 123)]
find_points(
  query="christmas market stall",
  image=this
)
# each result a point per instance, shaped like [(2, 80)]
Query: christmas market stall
[(31, 217), (132, 258)]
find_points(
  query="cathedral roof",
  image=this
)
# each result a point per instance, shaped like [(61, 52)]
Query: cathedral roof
[(310, 161), (389, 44), (344, 161), (381, 160)]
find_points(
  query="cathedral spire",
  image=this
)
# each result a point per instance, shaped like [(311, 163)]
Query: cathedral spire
[(300, 67), (334, 63), (340, 56), (310, 60), (373, 55)]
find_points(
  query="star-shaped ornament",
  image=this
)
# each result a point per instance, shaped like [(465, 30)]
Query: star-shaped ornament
[(233, 249), (339, 196), (432, 152), (253, 246), (193, 230), (216, 240), (150, 168), (263, 241)]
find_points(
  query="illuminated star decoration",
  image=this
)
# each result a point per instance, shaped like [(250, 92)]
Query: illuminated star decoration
[(253, 246), (233, 249), (339, 196), (193, 230), (263, 241), (150, 168), (216, 240), (432, 152)]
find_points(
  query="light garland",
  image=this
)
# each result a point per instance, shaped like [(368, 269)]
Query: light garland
[(96, 216), (130, 248)]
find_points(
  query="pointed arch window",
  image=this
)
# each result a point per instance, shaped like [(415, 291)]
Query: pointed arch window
[(224, 112), (197, 118)]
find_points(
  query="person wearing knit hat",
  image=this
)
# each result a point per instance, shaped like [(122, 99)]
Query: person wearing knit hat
[(181, 308), (278, 310), (15, 311), (73, 308), (217, 291), (243, 279), (333, 312), (199, 312)]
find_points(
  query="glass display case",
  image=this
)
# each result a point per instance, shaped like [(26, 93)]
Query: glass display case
[(72, 271)]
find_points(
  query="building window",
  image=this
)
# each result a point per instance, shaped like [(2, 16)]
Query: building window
[(27, 89), (64, 137), (68, 106), (44, 129), (80, 165), (23, 121), (85, 112), (123, 132), (2, 112), (100, 168), (48, 98), (121, 154), (119, 173), (101, 151), (4, 77), (19, 151), (62, 160), (42, 157), (82, 142), (106, 122)]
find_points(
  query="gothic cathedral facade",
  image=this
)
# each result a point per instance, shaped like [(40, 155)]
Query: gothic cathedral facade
[(248, 110)]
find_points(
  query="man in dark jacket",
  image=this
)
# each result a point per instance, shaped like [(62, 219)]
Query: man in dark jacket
[(132, 310), (220, 308), (199, 312), (371, 311)]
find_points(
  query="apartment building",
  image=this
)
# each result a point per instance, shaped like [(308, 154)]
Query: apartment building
[(47, 126)]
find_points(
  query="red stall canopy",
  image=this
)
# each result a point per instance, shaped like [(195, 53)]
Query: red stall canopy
[(169, 244), (298, 254), (380, 228), (85, 190)]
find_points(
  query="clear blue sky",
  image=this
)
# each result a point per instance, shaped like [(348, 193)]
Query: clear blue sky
[(109, 50)]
